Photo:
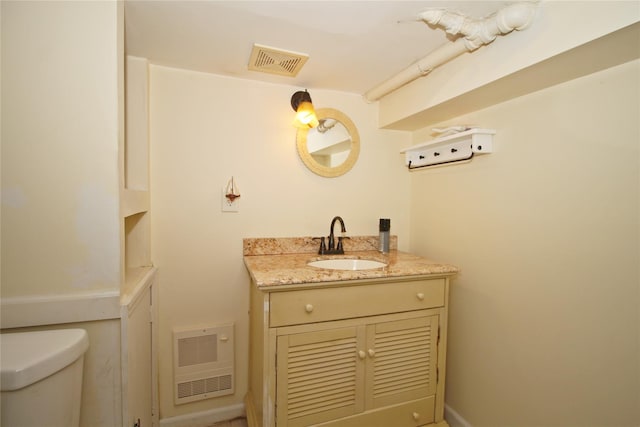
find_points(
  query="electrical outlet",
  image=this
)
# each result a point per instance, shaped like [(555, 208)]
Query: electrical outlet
[(229, 205)]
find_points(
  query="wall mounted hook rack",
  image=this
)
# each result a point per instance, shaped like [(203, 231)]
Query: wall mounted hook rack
[(457, 147)]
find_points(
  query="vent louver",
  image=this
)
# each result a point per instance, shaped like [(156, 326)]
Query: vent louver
[(203, 363), (276, 61), (204, 386)]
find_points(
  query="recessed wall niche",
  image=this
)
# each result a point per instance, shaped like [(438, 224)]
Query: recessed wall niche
[(134, 188)]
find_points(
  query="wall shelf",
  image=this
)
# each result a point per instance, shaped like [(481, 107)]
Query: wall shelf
[(453, 148), (134, 165)]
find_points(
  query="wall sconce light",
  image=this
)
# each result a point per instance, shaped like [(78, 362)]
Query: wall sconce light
[(305, 114)]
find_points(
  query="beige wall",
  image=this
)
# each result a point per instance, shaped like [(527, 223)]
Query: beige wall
[(206, 129), (544, 321), (60, 129)]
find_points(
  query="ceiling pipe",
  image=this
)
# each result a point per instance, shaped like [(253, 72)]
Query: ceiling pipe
[(475, 32)]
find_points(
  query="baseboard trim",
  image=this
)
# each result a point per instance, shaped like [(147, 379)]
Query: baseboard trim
[(205, 418), (453, 418)]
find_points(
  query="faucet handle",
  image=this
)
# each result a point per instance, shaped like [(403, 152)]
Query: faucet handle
[(323, 248), (340, 249)]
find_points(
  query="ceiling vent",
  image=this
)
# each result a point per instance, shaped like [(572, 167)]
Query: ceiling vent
[(276, 61)]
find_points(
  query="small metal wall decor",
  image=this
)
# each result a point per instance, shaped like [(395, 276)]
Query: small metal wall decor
[(231, 197), (232, 192)]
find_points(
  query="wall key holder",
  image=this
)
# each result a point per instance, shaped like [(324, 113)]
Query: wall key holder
[(459, 146)]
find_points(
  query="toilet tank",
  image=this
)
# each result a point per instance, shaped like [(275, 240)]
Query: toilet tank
[(41, 377)]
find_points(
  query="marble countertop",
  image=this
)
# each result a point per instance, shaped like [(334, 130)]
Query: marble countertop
[(291, 268)]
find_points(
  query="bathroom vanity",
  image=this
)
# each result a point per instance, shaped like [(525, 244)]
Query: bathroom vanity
[(345, 347)]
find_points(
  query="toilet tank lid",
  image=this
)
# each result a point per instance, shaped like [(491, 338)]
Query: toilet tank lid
[(28, 357)]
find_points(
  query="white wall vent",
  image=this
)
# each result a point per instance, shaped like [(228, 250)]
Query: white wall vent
[(203, 363)]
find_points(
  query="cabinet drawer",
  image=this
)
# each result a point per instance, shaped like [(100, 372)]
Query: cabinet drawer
[(320, 305), (411, 414)]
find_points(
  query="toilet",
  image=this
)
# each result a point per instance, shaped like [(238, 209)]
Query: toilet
[(41, 377)]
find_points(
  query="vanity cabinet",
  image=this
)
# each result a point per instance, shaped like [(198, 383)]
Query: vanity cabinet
[(361, 353)]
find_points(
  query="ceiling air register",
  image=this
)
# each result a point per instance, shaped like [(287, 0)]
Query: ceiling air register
[(276, 61)]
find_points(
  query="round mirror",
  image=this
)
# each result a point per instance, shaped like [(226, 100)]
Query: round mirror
[(330, 149)]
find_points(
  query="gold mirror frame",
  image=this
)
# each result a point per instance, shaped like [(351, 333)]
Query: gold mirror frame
[(310, 162)]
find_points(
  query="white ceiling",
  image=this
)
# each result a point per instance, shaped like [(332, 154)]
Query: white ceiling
[(352, 45)]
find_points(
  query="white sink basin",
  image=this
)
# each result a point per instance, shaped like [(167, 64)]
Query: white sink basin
[(347, 264)]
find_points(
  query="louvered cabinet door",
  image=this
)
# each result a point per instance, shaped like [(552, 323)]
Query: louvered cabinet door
[(320, 376), (401, 361)]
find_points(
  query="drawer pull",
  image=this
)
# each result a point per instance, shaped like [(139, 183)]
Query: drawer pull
[(416, 416), (362, 354), (420, 296), (372, 352), (308, 308)]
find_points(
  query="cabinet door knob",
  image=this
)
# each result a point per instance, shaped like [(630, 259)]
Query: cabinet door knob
[(416, 416), (420, 296), (308, 308), (372, 352), (362, 354)]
